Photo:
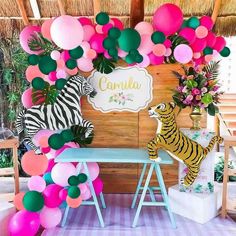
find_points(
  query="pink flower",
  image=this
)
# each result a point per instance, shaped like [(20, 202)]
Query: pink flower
[(189, 97), (204, 90), (215, 88), (195, 91), (185, 89), (180, 88)]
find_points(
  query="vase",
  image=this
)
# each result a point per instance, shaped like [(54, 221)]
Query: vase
[(196, 116)]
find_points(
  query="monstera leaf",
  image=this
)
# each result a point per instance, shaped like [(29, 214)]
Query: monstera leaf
[(45, 96), (103, 64), (79, 134)]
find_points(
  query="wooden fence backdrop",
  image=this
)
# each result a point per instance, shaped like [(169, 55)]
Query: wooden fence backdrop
[(134, 130)]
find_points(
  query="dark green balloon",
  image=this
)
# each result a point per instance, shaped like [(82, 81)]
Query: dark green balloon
[(193, 22), (73, 192), (113, 52), (102, 18), (33, 59), (82, 178), (56, 141), (158, 37), (114, 33), (71, 64), (38, 83), (225, 52), (48, 178), (184, 24), (73, 180), (109, 43), (129, 39), (47, 64), (60, 83), (134, 52), (76, 53), (33, 201), (207, 51), (138, 58), (130, 59), (67, 135)]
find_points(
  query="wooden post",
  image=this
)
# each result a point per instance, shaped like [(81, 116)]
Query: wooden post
[(136, 12), (216, 10), (96, 7), (21, 6), (61, 5), (177, 2), (217, 130)]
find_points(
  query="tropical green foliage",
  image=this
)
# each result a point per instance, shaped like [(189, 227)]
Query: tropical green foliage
[(103, 65)]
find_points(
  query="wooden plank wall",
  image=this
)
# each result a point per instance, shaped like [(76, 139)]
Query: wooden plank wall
[(134, 130)]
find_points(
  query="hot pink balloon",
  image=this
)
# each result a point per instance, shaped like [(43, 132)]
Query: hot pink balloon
[(198, 45), (159, 50), (26, 98), (207, 22), (26, 34), (198, 61), (117, 23), (85, 64), (51, 163), (146, 44), (89, 31), (183, 53), (201, 32), (50, 217), (52, 76), (145, 62), (219, 44), (188, 34), (167, 43), (210, 39), (67, 32), (106, 55), (144, 28), (36, 183), (46, 26), (51, 195), (154, 60), (106, 28), (65, 55), (85, 21), (168, 18), (96, 43), (32, 72), (98, 185), (63, 194)]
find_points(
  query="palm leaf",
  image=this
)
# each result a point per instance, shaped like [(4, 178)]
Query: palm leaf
[(103, 64), (212, 69), (79, 134)]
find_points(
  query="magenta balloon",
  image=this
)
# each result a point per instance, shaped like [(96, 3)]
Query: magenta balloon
[(24, 223), (65, 55), (96, 43), (118, 23), (207, 22), (198, 45), (219, 44), (146, 44), (198, 61), (85, 21), (167, 43), (51, 163), (51, 195), (210, 39), (168, 18), (154, 60), (188, 34), (98, 185), (183, 53)]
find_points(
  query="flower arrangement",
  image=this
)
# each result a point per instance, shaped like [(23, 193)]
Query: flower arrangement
[(198, 88)]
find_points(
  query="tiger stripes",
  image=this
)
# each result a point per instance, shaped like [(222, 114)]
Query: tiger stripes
[(62, 114), (179, 146)]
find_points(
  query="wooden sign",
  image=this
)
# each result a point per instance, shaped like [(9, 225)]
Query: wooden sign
[(125, 89)]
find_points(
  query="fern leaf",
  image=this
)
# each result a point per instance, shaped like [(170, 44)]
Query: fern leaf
[(212, 69)]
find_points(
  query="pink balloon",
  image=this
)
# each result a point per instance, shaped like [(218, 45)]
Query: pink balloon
[(198, 45), (106, 28), (86, 195), (145, 62), (85, 64), (98, 185), (96, 43), (60, 64), (32, 72), (26, 98), (63, 194), (117, 23), (36, 183), (61, 74), (167, 43), (207, 22), (188, 34), (106, 55), (196, 55), (68, 145), (89, 31), (159, 50), (67, 32), (44, 133), (83, 188), (146, 44), (91, 54), (24, 223), (210, 39), (208, 58), (55, 55), (168, 52), (93, 170), (144, 28), (85, 45), (183, 53), (198, 61), (201, 32), (65, 55), (72, 71), (168, 18), (51, 163), (219, 44), (154, 60), (46, 26), (50, 217), (122, 53), (51, 195), (52, 76), (26, 34), (85, 21)]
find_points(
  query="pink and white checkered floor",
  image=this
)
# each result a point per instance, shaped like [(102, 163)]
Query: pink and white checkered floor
[(153, 221)]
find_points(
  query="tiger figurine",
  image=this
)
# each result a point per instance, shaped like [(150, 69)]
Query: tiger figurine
[(179, 146)]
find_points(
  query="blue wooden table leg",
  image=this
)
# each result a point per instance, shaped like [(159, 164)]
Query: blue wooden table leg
[(94, 195), (143, 194), (152, 196), (103, 201), (139, 185), (164, 194)]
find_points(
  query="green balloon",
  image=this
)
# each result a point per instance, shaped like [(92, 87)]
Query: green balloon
[(67, 135), (138, 58), (73, 180), (47, 64), (38, 83), (82, 178), (184, 24), (33, 201), (193, 22), (60, 83), (207, 51), (129, 39), (225, 52), (114, 33), (76, 53), (102, 18), (113, 52), (33, 59), (134, 52), (158, 37), (56, 141), (71, 64), (73, 192), (109, 43), (48, 178)]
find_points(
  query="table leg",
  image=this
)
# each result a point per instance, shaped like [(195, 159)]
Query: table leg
[(139, 185), (103, 201), (143, 194), (152, 195), (94, 195), (164, 194), (16, 170)]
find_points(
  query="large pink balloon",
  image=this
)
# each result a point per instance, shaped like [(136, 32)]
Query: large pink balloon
[(207, 22), (188, 34), (51, 195), (89, 31), (168, 18), (146, 44), (198, 45), (46, 26), (144, 28), (24, 223), (26, 98), (183, 53), (67, 32), (219, 44), (25, 35), (96, 43), (98, 185), (50, 217), (210, 39)]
